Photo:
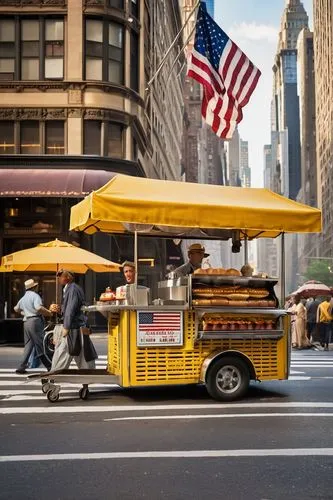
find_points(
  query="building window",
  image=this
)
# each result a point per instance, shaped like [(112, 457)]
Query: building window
[(118, 4), (104, 51), (114, 140), (54, 49), (7, 49), (34, 137), (92, 137), (94, 50), (31, 49), (103, 138), (54, 137), (134, 61), (30, 137), (7, 143), (115, 53)]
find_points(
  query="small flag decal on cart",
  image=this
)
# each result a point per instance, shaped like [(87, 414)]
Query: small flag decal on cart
[(159, 328)]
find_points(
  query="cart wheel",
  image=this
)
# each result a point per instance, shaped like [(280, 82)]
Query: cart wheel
[(228, 379), (84, 393), (46, 387), (53, 395)]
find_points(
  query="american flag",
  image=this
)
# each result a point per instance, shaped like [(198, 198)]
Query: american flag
[(158, 321), (227, 75)]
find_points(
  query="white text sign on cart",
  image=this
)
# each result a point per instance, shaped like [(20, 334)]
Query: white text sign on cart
[(159, 328)]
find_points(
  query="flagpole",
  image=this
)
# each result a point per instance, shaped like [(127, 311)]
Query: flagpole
[(172, 45), (178, 56)]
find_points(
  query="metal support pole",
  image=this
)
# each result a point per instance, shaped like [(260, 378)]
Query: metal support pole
[(283, 271), (246, 250), (136, 256)]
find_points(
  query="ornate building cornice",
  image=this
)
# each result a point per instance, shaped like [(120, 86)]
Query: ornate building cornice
[(112, 115), (94, 3), (19, 114), (110, 88), (14, 114), (33, 3)]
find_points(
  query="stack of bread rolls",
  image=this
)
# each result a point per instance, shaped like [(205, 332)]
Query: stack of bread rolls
[(234, 296), (219, 271)]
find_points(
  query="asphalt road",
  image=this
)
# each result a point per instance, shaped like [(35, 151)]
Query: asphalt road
[(173, 443)]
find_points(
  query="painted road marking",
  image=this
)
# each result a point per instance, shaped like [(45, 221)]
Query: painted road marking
[(282, 452), (132, 408), (18, 392), (228, 415), (17, 383), (295, 377)]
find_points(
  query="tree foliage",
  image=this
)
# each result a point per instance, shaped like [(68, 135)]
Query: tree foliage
[(320, 270)]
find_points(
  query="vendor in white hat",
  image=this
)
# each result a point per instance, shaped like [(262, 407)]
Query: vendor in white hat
[(32, 309), (196, 253)]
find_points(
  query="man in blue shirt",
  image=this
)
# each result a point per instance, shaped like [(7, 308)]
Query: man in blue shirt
[(32, 309)]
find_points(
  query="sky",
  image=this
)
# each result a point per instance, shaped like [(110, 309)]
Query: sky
[(254, 25)]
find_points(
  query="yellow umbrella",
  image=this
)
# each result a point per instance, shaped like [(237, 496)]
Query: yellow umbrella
[(55, 255)]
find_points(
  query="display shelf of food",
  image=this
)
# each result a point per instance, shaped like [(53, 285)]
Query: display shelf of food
[(210, 279), (232, 290), (258, 324)]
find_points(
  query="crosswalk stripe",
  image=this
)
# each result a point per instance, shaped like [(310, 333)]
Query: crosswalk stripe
[(311, 366), (266, 452), (6, 372), (86, 408), (222, 416), (69, 389), (311, 363), (13, 383), (298, 377)]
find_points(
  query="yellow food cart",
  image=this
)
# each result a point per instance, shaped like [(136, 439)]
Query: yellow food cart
[(224, 329)]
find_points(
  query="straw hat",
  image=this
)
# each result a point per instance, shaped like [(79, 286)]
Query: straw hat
[(30, 284), (197, 247)]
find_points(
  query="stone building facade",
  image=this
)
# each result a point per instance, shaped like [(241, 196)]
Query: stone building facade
[(75, 108)]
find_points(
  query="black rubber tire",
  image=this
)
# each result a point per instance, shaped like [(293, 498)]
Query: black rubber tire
[(48, 345), (45, 388), (84, 393), (228, 367), (52, 396)]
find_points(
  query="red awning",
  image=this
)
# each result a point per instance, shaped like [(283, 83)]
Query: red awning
[(51, 182)]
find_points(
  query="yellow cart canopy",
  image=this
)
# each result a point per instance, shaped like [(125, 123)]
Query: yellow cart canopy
[(185, 209)]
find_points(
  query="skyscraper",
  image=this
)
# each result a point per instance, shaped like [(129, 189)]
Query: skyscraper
[(285, 116), (323, 48), (245, 171), (307, 243), (285, 120), (233, 159)]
